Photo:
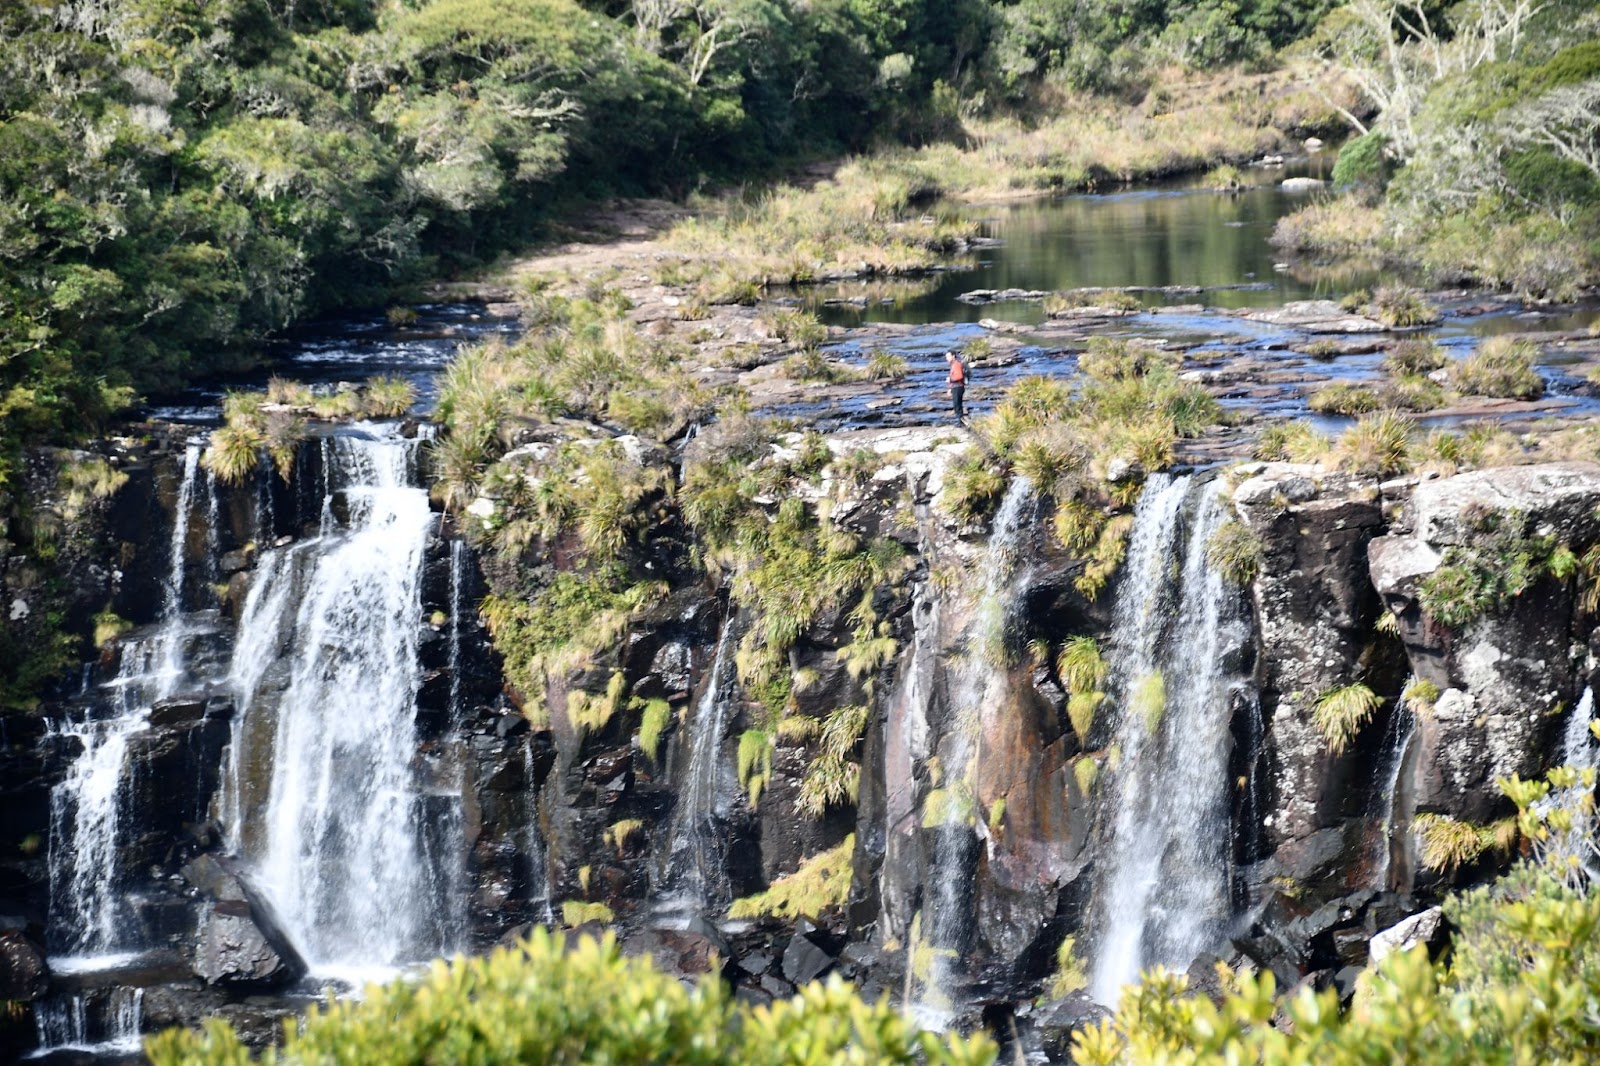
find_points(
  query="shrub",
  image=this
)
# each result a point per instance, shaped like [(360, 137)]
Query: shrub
[(542, 1003), (1344, 398), (1501, 368), (1364, 161), (1340, 713), (1486, 574), (1235, 552)]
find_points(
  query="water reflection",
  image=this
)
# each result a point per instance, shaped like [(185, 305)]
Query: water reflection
[(1171, 235)]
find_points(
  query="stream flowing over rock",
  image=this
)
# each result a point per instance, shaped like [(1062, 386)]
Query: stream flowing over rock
[(302, 765)]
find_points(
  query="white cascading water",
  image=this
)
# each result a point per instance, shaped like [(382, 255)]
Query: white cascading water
[(1162, 894), (72, 1023), (343, 852), (1578, 742), (694, 882), (1402, 725), (87, 917), (977, 684)]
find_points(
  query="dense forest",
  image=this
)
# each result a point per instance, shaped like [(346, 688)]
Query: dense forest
[(179, 178)]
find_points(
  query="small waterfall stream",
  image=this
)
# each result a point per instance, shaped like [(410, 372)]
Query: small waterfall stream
[(694, 882), (1392, 808), (350, 853), (1577, 741), (976, 685), (1162, 894), (87, 883)]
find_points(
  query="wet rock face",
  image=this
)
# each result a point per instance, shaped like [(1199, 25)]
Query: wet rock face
[(1505, 676), (1314, 610)]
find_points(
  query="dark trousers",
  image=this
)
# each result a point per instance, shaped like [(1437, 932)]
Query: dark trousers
[(956, 393)]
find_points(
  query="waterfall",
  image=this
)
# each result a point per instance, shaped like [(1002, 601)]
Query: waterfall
[(695, 877), (458, 604), (88, 918), (352, 851), (71, 1022), (533, 848), (1162, 894), (1397, 743), (977, 685), (1577, 743)]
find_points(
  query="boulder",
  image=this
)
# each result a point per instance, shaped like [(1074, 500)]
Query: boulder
[(805, 960), (1424, 928), (24, 974), (237, 942)]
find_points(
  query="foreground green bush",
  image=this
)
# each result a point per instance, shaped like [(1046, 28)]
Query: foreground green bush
[(541, 1004)]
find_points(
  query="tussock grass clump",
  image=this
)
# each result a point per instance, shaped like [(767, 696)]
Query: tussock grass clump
[(1446, 844), (387, 397), (1342, 712), (1399, 307), (653, 722), (886, 366), (577, 912), (795, 326), (1292, 442), (820, 885), (1345, 398), (1379, 445), (1412, 392), (1226, 178), (1071, 974), (1502, 368), (84, 480), (832, 779), (972, 489), (1235, 551), (814, 367), (1059, 304), (1148, 699), (1415, 356)]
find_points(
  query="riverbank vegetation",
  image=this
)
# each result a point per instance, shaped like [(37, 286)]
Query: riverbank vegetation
[(1483, 163), (179, 181)]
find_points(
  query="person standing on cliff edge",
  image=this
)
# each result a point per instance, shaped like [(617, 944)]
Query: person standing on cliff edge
[(958, 383)]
